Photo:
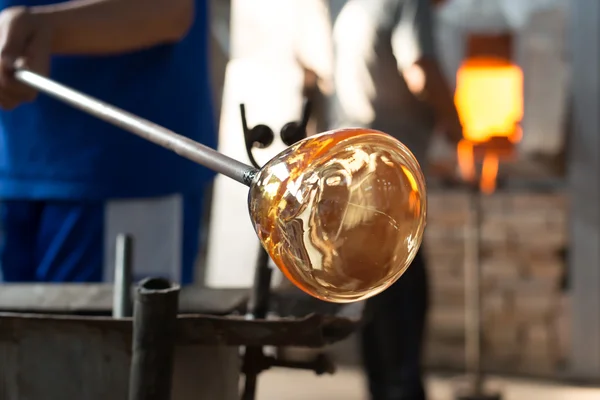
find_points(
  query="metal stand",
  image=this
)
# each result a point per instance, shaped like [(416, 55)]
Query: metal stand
[(473, 348), (254, 359), (154, 333), (258, 307)]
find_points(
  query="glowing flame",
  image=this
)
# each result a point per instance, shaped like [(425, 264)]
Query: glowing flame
[(489, 173), (466, 160), (466, 165), (489, 100)]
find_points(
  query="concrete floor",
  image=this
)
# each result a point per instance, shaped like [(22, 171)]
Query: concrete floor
[(348, 384)]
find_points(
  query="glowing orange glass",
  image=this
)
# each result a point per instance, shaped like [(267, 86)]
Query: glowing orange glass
[(341, 213)]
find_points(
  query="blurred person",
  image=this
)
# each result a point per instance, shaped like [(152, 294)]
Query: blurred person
[(387, 77), (302, 46), (313, 43), (70, 182), (280, 51)]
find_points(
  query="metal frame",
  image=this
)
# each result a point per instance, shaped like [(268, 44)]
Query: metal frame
[(254, 358), (584, 182)]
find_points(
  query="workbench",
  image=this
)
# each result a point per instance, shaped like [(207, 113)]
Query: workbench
[(60, 342)]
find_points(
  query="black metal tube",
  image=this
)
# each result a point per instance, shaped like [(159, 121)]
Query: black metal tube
[(154, 323), (255, 361), (258, 305), (145, 129), (122, 304), (251, 378)]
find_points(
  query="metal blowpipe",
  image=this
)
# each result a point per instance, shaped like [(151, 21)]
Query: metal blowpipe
[(145, 129)]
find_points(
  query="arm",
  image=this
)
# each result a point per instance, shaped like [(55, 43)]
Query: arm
[(313, 43), (413, 43), (113, 26), (434, 89), (31, 35)]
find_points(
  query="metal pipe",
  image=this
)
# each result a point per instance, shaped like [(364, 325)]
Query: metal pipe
[(145, 129), (122, 304), (473, 299), (258, 306), (473, 292), (255, 360), (154, 325)]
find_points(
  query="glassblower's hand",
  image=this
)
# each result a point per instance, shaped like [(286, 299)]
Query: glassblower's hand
[(26, 41)]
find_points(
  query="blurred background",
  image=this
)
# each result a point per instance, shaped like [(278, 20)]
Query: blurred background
[(524, 179), (540, 227)]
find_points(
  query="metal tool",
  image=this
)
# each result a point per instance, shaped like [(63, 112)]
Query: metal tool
[(150, 131)]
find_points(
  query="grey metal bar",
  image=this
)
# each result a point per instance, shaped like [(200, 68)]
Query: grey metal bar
[(145, 129), (122, 304), (476, 389), (154, 335), (473, 293)]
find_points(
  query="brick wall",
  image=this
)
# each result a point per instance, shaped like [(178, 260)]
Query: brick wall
[(525, 311)]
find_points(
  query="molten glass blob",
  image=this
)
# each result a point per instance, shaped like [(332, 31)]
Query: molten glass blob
[(342, 213)]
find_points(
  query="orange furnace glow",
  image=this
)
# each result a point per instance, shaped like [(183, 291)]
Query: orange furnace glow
[(489, 100)]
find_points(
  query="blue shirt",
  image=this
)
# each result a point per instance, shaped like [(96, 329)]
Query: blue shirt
[(49, 150)]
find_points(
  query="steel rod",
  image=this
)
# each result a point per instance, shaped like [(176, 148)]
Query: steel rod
[(473, 292), (141, 127), (258, 306), (122, 304), (154, 330), (473, 302), (255, 360)]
